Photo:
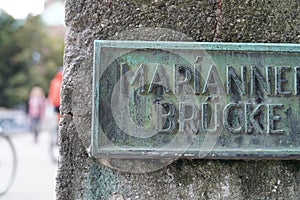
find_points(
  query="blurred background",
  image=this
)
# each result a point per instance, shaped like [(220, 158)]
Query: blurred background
[(31, 55)]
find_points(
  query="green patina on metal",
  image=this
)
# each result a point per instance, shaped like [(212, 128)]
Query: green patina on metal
[(189, 99), (100, 184)]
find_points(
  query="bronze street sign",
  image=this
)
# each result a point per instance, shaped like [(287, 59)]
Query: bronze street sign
[(185, 99)]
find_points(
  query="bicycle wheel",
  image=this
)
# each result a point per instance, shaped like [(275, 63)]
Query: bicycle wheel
[(8, 163)]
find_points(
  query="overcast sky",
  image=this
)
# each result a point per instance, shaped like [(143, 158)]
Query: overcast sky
[(19, 9)]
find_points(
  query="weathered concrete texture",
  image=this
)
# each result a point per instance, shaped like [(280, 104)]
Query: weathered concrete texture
[(260, 21), (199, 180), (82, 177)]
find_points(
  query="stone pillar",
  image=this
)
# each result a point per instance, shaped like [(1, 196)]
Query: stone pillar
[(83, 177)]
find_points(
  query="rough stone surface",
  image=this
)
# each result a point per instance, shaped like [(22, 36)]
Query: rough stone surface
[(260, 21), (82, 177)]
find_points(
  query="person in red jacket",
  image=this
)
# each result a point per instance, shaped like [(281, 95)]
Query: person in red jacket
[(54, 100), (54, 91)]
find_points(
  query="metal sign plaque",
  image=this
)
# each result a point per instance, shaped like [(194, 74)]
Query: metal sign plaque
[(185, 99)]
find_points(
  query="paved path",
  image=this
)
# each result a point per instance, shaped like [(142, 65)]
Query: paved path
[(35, 179)]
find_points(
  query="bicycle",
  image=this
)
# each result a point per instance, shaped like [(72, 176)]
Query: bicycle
[(8, 162), (50, 123)]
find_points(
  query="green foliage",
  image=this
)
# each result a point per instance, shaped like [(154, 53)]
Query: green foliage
[(28, 57)]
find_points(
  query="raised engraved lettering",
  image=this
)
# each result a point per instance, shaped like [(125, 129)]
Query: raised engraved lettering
[(239, 82), (230, 122), (273, 118), (252, 118), (188, 118), (159, 80), (182, 78), (237, 117), (131, 78), (197, 79), (281, 80), (259, 82), (210, 120), (213, 83), (166, 121)]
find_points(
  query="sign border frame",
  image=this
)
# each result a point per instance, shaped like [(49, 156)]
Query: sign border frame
[(286, 154)]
